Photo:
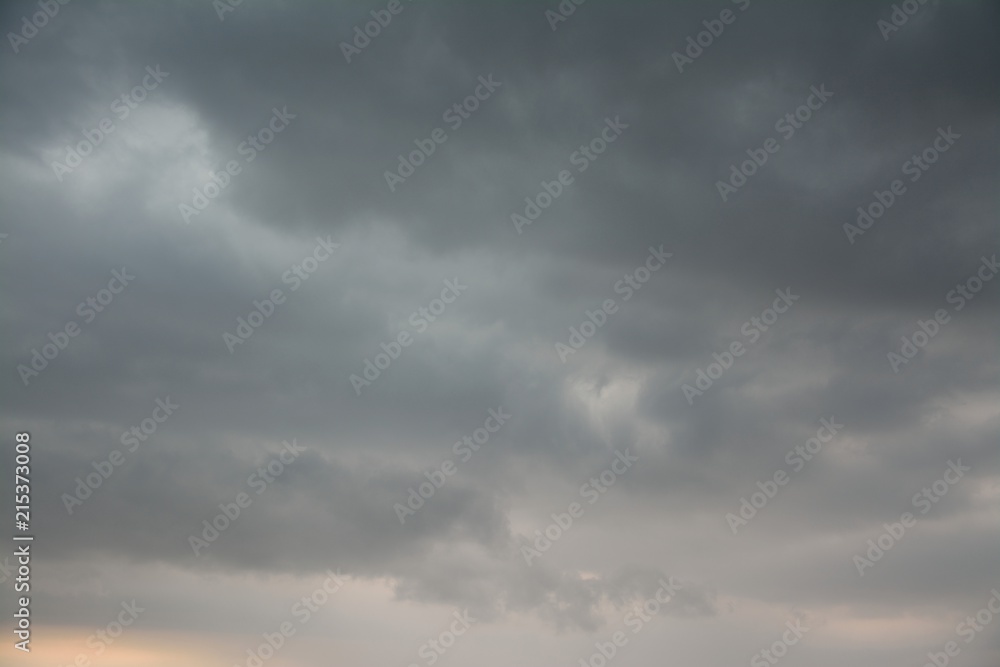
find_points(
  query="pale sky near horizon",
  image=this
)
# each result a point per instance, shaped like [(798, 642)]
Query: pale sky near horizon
[(491, 275)]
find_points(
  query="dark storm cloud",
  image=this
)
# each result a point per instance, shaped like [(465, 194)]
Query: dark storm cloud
[(495, 345)]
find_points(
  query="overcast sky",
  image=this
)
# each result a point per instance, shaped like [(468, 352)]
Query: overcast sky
[(520, 306)]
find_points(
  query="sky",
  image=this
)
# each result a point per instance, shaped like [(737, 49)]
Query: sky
[(535, 333)]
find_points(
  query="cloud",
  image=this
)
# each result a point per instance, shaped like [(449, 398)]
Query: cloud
[(324, 176)]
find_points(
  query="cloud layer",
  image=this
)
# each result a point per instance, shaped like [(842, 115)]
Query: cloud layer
[(591, 133)]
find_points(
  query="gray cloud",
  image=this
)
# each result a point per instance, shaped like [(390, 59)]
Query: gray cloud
[(494, 346)]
